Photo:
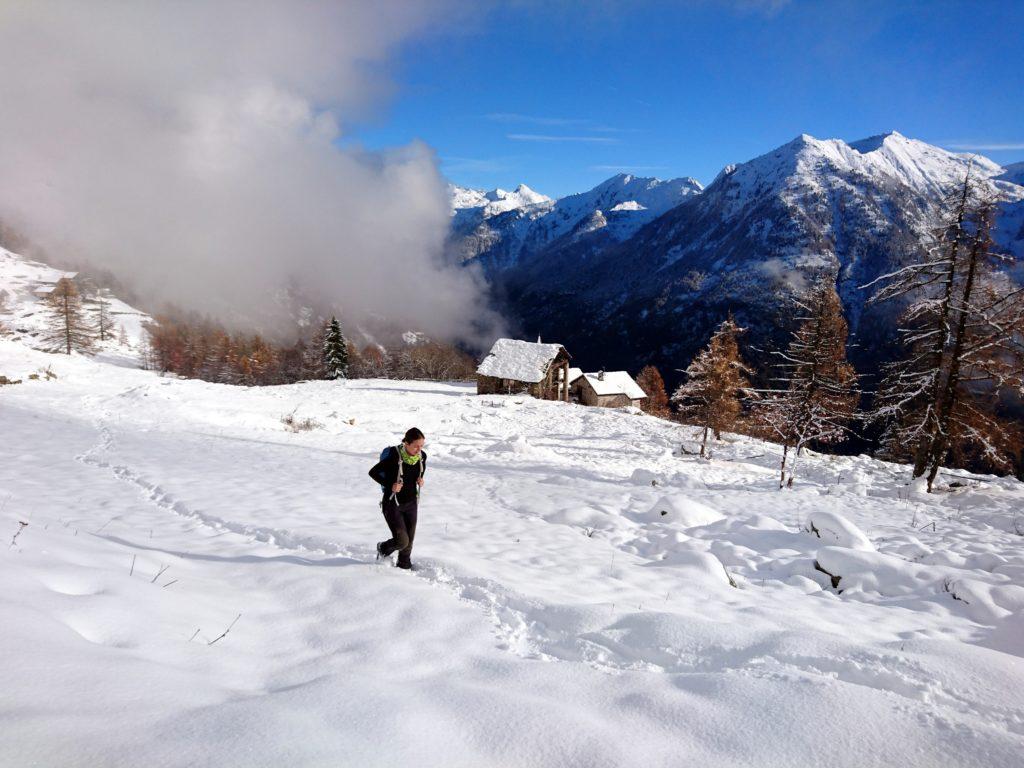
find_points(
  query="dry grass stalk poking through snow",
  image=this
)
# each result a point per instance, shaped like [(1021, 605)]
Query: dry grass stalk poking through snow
[(293, 424)]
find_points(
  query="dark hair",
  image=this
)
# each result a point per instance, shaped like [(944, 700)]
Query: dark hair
[(412, 436)]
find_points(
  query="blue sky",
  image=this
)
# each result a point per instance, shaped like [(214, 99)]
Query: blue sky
[(562, 95)]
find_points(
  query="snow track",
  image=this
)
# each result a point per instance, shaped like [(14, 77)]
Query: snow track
[(508, 613)]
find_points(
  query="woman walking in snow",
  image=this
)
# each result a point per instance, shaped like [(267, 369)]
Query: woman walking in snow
[(400, 474)]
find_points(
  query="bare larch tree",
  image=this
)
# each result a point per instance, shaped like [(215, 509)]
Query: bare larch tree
[(104, 324), (653, 385), (67, 327), (962, 333), (716, 385), (818, 395)]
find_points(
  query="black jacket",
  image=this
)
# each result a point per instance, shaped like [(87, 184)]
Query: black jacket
[(385, 472)]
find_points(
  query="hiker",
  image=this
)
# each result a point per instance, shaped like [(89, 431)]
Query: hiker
[(400, 474)]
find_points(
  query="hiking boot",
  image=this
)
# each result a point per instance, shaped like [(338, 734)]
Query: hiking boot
[(380, 550), (404, 566)]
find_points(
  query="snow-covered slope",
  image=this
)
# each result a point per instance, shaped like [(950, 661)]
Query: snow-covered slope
[(585, 595), (23, 313)]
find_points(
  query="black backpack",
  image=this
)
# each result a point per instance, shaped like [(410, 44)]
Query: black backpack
[(380, 475)]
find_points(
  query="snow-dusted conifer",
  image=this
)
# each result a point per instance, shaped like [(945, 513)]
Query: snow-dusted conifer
[(818, 395), (961, 333), (335, 351), (716, 384)]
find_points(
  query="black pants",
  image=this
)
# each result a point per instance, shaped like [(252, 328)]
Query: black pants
[(401, 519)]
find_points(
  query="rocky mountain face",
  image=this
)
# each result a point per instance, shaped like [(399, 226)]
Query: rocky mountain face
[(503, 230), (652, 287)]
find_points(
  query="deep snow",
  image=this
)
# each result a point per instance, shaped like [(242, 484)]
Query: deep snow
[(573, 604)]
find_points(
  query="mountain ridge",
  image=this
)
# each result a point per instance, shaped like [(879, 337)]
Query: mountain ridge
[(749, 242)]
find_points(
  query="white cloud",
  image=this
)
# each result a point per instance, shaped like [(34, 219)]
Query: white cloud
[(618, 168), (514, 117), (554, 138), (781, 271), (192, 148), (989, 147)]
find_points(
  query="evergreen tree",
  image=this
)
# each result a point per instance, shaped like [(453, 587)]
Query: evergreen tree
[(819, 396), (653, 385), (335, 352), (962, 332), (716, 383), (67, 328)]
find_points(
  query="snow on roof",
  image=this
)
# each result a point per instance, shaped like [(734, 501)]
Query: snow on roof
[(44, 290), (574, 373), (615, 383), (519, 360)]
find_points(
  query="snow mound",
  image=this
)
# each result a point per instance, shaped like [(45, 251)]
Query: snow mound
[(702, 565), (1008, 636), (643, 476), (986, 598), (520, 446), (685, 512), (833, 527)]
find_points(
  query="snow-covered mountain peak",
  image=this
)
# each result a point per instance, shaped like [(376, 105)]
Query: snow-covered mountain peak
[(465, 197), (808, 162), (509, 225), (495, 201), (647, 191), (525, 193), (517, 198), (873, 143)]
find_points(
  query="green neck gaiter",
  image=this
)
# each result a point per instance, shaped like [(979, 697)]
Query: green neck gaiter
[(406, 457)]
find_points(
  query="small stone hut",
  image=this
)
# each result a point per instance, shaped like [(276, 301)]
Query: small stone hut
[(608, 389), (513, 366), (47, 288)]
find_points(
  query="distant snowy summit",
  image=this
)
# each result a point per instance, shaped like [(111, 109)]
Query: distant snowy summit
[(494, 202), (926, 169), (501, 228)]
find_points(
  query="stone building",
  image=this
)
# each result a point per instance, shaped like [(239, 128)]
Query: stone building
[(608, 389), (513, 366)]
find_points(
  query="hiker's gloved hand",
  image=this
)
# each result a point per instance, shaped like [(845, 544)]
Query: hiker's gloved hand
[(396, 487)]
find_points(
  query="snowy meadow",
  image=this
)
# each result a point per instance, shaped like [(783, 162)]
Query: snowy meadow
[(189, 581)]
